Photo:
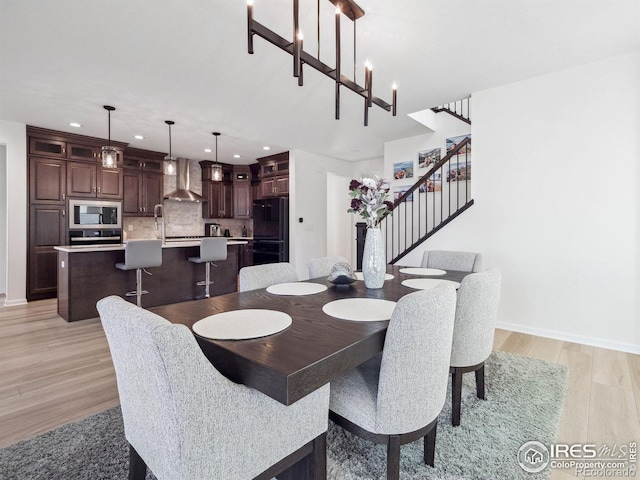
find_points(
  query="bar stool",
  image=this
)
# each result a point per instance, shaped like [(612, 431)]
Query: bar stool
[(211, 249), (140, 255)]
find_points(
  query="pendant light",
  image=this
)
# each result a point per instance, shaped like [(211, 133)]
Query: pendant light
[(216, 168), (109, 154), (169, 160)]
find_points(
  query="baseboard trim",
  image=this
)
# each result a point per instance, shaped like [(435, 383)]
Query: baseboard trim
[(568, 337), (12, 303)]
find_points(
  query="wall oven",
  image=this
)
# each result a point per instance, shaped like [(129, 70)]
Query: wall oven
[(94, 222)]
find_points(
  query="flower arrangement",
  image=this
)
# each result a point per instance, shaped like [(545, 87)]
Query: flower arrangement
[(369, 199)]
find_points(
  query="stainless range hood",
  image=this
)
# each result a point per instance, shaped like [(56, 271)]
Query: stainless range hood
[(182, 192)]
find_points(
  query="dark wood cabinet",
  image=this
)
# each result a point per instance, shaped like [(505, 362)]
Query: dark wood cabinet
[(47, 181), (143, 182), (47, 229), (47, 147), (274, 175), (273, 165), (274, 187), (245, 258), (142, 191), (242, 199), (77, 151), (91, 180), (219, 197)]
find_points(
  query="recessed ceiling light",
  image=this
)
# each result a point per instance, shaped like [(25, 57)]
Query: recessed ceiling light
[(208, 150), (138, 137), (236, 156), (266, 148), (75, 124)]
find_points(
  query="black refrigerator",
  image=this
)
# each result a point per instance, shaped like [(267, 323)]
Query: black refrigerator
[(271, 230)]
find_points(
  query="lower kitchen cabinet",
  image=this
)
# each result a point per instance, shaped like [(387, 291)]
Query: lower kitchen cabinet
[(47, 229)]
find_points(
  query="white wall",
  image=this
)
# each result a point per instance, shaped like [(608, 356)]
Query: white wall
[(557, 189), (314, 179), (3, 219), (14, 136)]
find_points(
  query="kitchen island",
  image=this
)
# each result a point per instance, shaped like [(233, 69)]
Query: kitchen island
[(88, 273)]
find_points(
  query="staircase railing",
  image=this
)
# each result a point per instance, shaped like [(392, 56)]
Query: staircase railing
[(461, 109), (432, 202)]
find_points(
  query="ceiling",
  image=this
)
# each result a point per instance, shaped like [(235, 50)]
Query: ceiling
[(187, 61)]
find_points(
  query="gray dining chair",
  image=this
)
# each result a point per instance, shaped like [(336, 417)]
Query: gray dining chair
[(452, 260), (322, 266), (263, 276), (212, 249), (140, 255), (185, 420), (476, 314), (396, 397)]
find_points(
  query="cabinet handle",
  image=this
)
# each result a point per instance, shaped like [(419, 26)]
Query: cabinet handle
[(64, 150), (64, 196), (94, 189), (64, 213)]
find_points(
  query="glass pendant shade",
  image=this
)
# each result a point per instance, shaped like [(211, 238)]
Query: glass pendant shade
[(169, 165), (109, 157), (216, 168), (216, 172), (109, 154), (170, 161)]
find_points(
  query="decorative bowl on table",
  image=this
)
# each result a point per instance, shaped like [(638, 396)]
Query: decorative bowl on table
[(342, 275)]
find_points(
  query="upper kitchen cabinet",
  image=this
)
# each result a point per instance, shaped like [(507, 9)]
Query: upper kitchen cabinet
[(144, 160), (87, 180), (274, 175), (218, 194), (54, 144), (143, 182), (273, 165), (47, 181), (242, 198)]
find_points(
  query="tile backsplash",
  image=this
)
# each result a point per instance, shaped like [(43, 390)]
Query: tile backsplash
[(182, 218)]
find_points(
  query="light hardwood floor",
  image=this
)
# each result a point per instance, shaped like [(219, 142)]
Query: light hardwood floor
[(53, 372)]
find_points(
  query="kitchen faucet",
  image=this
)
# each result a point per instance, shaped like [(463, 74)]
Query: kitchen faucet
[(159, 207)]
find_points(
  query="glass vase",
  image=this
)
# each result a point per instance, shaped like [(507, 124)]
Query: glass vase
[(374, 264)]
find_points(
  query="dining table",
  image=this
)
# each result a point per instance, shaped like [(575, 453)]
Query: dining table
[(314, 349)]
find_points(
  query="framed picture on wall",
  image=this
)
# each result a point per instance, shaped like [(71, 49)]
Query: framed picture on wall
[(402, 170), (459, 171), (454, 141), (399, 191), (427, 158), (433, 184)]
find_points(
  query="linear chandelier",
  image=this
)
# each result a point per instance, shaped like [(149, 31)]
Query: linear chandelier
[(295, 48)]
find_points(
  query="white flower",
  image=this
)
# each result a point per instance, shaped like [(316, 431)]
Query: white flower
[(368, 182)]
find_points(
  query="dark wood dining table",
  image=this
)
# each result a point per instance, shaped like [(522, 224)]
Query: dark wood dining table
[(308, 354)]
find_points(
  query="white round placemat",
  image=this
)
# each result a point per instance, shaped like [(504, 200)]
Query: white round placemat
[(242, 324), (426, 283), (296, 288), (360, 309), (387, 276), (422, 271)]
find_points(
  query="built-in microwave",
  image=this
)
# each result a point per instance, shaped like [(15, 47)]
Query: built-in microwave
[(94, 214)]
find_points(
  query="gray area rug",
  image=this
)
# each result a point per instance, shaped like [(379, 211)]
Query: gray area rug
[(524, 402)]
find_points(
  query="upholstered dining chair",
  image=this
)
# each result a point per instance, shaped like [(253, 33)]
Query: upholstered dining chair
[(396, 397), (263, 276), (321, 267), (452, 260), (185, 420), (476, 313)]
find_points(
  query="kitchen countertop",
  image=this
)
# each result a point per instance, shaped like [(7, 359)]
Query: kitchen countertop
[(120, 246)]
